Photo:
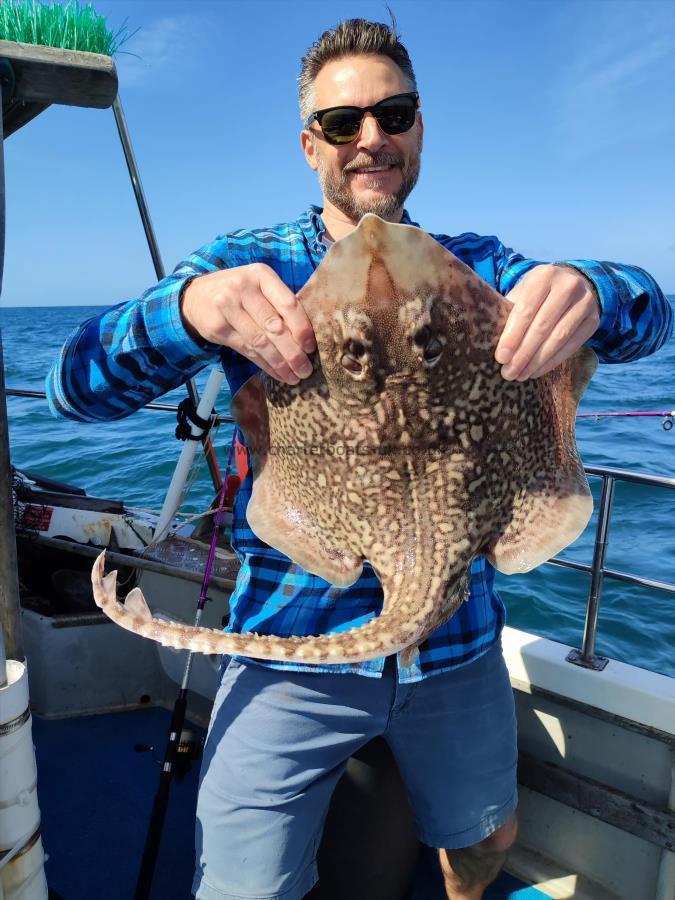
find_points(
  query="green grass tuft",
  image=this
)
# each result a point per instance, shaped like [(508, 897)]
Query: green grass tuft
[(66, 25)]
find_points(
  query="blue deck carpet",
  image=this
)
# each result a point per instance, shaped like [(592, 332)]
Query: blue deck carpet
[(96, 793)]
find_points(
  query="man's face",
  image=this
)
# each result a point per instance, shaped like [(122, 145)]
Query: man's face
[(363, 81)]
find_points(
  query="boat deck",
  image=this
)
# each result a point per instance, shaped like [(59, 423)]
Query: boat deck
[(96, 792)]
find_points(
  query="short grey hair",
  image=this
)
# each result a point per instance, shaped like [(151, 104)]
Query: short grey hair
[(353, 37)]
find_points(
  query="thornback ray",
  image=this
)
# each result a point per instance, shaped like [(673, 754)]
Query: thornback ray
[(405, 448)]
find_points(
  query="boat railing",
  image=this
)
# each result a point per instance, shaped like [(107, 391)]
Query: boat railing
[(598, 571), (586, 656), (162, 407)]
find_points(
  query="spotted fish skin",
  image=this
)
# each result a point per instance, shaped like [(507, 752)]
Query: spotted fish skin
[(405, 447)]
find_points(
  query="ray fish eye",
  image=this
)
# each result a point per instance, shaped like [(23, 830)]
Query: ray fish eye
[(422, 336), (353, 352), (355, 349), (432, 351), (431, 347)]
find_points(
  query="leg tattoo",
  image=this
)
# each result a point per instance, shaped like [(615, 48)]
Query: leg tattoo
[(467, 872)]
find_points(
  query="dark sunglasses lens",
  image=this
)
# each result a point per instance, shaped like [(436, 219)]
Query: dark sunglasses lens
[(340, 126), (396, 116)]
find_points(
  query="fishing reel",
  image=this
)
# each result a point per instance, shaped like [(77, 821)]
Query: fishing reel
[(188, 750)]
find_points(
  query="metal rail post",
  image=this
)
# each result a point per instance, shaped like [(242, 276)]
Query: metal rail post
[(160, 272), (10, 624), (586, 656)]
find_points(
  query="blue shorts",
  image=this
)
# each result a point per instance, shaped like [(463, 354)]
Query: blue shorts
[(279, 741)]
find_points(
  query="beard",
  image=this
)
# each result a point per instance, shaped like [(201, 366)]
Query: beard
[(335, 186)]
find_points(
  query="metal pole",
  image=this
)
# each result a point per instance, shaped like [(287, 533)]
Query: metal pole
[(163, 407), (10, 624), (586, 657), (160, 272), (139, 193)]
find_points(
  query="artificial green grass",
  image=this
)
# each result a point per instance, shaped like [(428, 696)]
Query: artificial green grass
[(68, 25)]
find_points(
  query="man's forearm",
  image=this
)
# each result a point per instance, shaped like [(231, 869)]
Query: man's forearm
[(117, 362), (636, 319)]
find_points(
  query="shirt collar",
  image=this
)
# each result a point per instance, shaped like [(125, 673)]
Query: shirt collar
[(312, 226)]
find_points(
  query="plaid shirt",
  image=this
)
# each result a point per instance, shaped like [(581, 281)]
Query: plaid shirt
[(117, 362)]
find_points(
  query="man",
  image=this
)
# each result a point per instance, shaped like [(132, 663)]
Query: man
[(280, 734)]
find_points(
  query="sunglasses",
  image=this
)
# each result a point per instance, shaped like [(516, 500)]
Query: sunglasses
[(342, 124)]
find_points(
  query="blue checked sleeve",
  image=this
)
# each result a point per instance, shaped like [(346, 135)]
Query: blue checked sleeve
[(115, 363), (636, 318)]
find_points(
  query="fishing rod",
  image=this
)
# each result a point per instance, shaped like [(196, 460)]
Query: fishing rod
[(666, 415), (175, 743)]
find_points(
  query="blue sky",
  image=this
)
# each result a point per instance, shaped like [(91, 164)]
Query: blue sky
[(550, 124)]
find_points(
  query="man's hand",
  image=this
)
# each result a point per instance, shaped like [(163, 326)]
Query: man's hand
[(556, 310), (250, 309)]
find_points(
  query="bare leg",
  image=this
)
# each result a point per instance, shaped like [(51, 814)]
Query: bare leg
[(467, 872)]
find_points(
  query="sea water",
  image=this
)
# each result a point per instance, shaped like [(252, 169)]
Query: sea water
[(133, 460)]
